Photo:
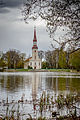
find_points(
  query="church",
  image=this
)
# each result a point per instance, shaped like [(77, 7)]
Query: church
[(34, 62)]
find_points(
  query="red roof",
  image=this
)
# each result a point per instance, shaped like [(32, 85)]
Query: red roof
[(34, 35), (27, 60), (35, 40)]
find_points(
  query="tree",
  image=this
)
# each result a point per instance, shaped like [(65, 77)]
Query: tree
[(15, 59), (22, 58), (41, 54), (74, 59), (51, 58), (2, 63), (57, 13), (62, 59), (44, 65)]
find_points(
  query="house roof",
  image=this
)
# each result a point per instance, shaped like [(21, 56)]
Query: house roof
[(27, 60)]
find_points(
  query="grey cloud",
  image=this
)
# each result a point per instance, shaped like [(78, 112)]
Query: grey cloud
[(21, 38), (4, 10), (11, 3), (15, 34)]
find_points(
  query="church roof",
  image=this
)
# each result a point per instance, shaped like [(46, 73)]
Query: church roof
[(34, 40), (27, 60)]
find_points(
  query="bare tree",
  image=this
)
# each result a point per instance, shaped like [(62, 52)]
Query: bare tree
[(51, 59), (41, 54), (14, 58), (57, 13)]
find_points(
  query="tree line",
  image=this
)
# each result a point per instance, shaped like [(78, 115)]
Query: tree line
[(58, 59), (61, 59), (12, 59)]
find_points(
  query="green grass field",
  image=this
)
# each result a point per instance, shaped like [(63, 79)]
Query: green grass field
[(41, 70), (59, 70)]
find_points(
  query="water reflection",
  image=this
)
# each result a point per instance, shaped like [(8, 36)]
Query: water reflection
[(63, 84), (11, 83), (36, 80), (32, 84)]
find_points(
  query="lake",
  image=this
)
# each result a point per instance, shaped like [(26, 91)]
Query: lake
[(29, 86)]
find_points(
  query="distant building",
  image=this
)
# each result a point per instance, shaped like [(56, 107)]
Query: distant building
[(34, 61)]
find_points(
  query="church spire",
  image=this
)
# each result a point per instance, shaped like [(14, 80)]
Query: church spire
[(35, 40), (34, 34)]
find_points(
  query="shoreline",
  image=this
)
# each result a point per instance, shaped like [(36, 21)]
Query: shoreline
[(41, 70)]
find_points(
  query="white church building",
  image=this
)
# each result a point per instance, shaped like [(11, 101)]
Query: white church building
[(34, 61)]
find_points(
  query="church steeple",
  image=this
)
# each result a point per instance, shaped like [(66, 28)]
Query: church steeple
[(34, 34), (35, 40), (34, 61)]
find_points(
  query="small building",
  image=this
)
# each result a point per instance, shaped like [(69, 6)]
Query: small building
[(34, 61)]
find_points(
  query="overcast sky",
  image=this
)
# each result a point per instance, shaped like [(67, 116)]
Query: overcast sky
[(15, 34)]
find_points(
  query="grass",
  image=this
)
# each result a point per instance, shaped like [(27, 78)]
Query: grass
[(63, 70), (22, 70), (17, 70), (59, 70), (41, 70)]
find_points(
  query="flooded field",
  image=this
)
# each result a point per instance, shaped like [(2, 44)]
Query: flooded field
[(21, 91)]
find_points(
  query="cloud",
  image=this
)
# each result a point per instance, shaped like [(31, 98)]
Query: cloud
[(15, 34), (4, 10), (11, 3)]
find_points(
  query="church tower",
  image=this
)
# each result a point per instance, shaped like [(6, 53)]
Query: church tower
[(35, 48), (34, 61)]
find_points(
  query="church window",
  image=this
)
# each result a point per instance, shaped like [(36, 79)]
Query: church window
[(39, 63), (35, 63), (35, 57)]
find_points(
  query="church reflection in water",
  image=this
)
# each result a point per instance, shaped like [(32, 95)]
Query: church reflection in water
[(36, 82)]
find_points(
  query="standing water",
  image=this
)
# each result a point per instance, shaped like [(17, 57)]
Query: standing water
[(19, 90)]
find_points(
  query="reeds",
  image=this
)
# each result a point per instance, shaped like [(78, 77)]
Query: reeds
[(45, 108)]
